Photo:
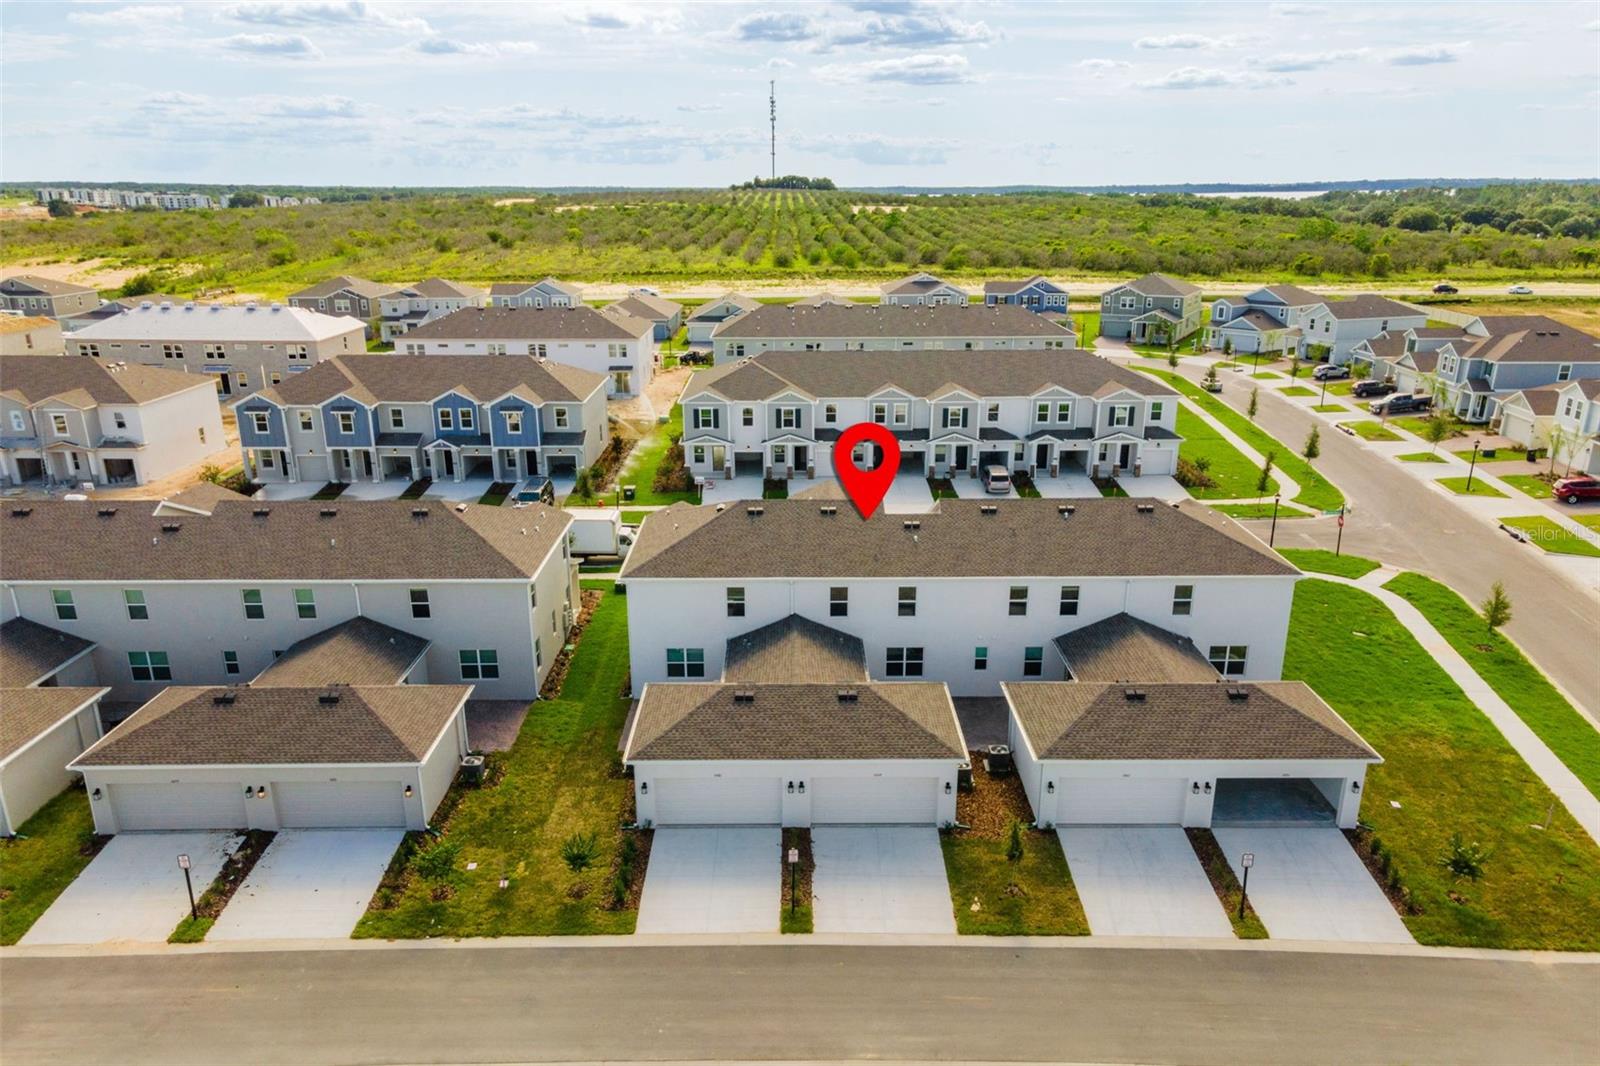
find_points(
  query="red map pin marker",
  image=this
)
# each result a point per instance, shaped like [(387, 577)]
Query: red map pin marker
[(866, 488)]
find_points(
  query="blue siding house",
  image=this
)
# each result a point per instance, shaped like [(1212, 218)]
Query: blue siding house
[(1036, 294)]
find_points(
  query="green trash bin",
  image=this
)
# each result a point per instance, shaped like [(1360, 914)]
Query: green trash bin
[(627, 493)]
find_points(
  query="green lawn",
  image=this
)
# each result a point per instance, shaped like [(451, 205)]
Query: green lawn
[(560, 779), (1420, 457), (42, 860), (1235, 476), (1257, 510), (497, 493), (1322, 561), (1450, 771), (633, 518), (1418, 424), (1368, 430), (1588, 521), (1339, 388), (1316, 492), (648, 455), (1528, 484), (1514, 679), (1329, 408), (1458, 485), (1088, 326), (1297, 390), (1552, 536), (1033, 897)]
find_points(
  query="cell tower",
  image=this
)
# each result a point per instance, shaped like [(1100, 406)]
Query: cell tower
[(772, 117)]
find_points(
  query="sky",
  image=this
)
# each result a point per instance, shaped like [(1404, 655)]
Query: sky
[(878, 92)]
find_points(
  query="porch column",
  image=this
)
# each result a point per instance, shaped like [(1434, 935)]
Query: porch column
[(460, 462), (291, 466), (377, 466)]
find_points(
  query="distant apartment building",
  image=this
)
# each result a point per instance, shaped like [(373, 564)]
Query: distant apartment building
[(240, 348), (1154, 309), (617, 345), (409, 306), (885, 327), (29, 294), (920, 290), (30, 335)]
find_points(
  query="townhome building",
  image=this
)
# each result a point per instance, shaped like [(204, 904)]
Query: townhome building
[(1564, 418), (30, 335), (547, 293), (410, 306), (1408, 358), (708, 316), (886, 327), (1036, 294), (616, 345), (238, 348), (345, 295), (29, 294), (1332, 329), (971, 594), (666, 316), (1269, 319), (1154, 309), (74, 421), (1044, 412), (821, 299), (921, 289), (403, 417), (174, 600)]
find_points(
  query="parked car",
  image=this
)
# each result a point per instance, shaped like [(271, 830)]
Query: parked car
[(996, 480), (1444, 288), (1329, 372), (1573, 489), (1372, 387), (1213, 386), (1520, 290), (1400, 403)]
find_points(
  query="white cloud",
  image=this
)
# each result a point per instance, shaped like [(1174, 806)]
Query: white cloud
[(920, 69), (1099, 68), (1205, 78), (1313, 60), (775, 27), (449, 46), (133, 15), (654, 18), (911, 30), (699, 109), (1426, 54), (1190, 41), (880, 151), (272, 45), (1297, 10), (24, 47), (320, 13), (310, 107)]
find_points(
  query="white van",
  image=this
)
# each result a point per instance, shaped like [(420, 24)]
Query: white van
[(996, 480)]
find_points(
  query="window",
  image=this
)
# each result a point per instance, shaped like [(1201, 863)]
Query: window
[(699, 453), (347, 421), (903, 662), (880, 413), (838, 602), (420, 607), (91, 350), (902, 414), (953, 417), (241, 381), (538, 350), (414, 349), (1121, 414), (480, 664), (397, 418), (172, 351), (307, 421), (1019, 600), (149, 666), (1032, 661), (214, 352), (274, 378), (260, 421), (513, 421), (780, 454), (253, 605), (138, 610), (66, 610), (1228, 658), (736, 602), (447, 418), (830, 413), (980, 658), (1069, 599), (786, 417), (705, 417), (268, 460), (230, 662), (58, 425), (908, 601), (497, 349), (305, 603), (686, 662), (1182, 599), (1564, 372), (1126, 303), (1041, 413), (562, 417), (1064, 412), (1155, 410), (465, 418), (993, 413)]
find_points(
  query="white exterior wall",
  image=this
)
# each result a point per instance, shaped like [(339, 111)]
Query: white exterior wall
[(1341, 335), (728, 349), (637, 354), (37, 773), (178, 431), (441, 765), (953, 617)]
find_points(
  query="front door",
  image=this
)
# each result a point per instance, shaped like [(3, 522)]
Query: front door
[(963, 453), (1041, 456), (366, 463), (225, 384), (530, 461), (449, 458), (719, 456), (1125, 456), (802, 456)]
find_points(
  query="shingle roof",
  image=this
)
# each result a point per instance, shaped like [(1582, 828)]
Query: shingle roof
[(422, 378), (911, 720), (32, 380), (869, 321), (737, 299), (643, 305), (924, 372), (374, 540), (207, 322), (440, 288), (1159, 285), (1273, 720), (360, 651), (529, 323), (1011, 287), (795, 650), (372, 290), (515, 288), (1556, 344), (30, 652), (1368, 305), (822, 299), (203, 496), (1125, 648), (25, 713), (1543, 399), (1254, 317), (25, 323), (185, 726), (1021, 538), (913, 284), (49, 286), (1293, 295), (1386, 346)]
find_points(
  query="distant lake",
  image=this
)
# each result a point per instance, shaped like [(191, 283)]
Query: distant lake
[(1277, 194)]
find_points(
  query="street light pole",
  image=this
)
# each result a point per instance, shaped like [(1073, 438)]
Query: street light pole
[(1322, 400), (1247, 860), (188, 881), (1273, 533), (1474, 466), (1339, 541)]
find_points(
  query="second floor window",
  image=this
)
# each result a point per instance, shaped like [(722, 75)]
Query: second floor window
[(513, 421), (297, 351), (736, 602), (747, 417), (1182, 599), (838, 602), (305, 603), (397, 418), (447, 418), (704, 417), (1069, 599), (993, 414), (1018, 603), (908, 601), (1121, 414), (562, 418), (686, 662), (138, 610), (902, 414), (1064, 412), (58, 425), (980, 658), (902, 662), (465, 418), (880, 413), (307, 422), (254, 608), (260, 421), (480, 664), (830, 413), (1033, 661), (420, 607), (66, 610), (786, 417), (1156, 407), (1228, 658), (172, 351), (149, 666), (347, 421), (953, 417)]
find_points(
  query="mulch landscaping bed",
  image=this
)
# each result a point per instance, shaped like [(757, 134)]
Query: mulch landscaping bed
[(1376, 859), (800, 921), (1225, 885), (216, 895), (942, 488), (415, 490), (331, 491), (633, 859), (589, 599), (993, 804)]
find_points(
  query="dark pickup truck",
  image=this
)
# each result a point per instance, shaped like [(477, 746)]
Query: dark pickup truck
[(1400, 403), (1372, 388)]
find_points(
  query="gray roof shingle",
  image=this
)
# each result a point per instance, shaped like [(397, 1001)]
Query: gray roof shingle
[(530, 323), (1125, 648), (1368, 305), (795, 650), (841, 322), (30, 652), (360, 651), (1159, 285), (79, 378), (422, 378), (26, 713)]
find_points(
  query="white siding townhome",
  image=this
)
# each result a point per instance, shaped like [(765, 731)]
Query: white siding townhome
[(344, 295), (49, 713), (886, 327), (410, 306), (1270, 319), (1563, 417), (922, 289), (404, 417), (239, 348), (664, 316), (1043, 412), (616, 345), (1339, 325), (214, 599), (69, 421)]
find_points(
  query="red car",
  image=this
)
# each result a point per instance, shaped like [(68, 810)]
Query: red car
[(1573, 489)]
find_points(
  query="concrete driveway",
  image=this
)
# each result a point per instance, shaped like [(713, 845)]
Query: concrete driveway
[(971, 488), (309, 883), (1160, 486), (1066, 486), (908, 494), (739, 487), (879, 879), (1307, 884), (133, 890), (1142, 882), (712, 880)]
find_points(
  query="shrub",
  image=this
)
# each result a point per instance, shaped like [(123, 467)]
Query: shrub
[(1191, 476), (579, 851), (1014, 842), (1464, 860), (437, 866)]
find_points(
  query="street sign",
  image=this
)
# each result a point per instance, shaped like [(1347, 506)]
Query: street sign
[(794, 856)]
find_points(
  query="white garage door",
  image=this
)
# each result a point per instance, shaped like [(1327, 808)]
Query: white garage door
[(1119, 800), (719, 801), (178, 806), (340, 804), (874, 800)]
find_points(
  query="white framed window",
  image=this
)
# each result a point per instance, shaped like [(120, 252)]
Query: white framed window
[(1069, 599), (241, 381), (268, 460), (699, 453), (703, 417), (254, 608), (786, 417), (1156, 408), (397, 418), (119, 420), (838, 601), (1017, 603), (420, 607), (91, 350), (480, 664), (497, 349), (305, 603), (19, 424), (1041, 412), (686, 662), (447, 418), (230, 662), (1228, 659), (513, 421), (906, 604), (58, 425), (297, 351), (563, 417), (735, 601), (172, 351), (880, 413), (133, 600), (413, 349), (66, 609), (1127, 303), (1121, 414), (466, 418), (149, 666), (980, 658), (308, 421), (1564, 372), (260, 421), (902, 662), (1033, 661), (993, 413), (1064, 412), (1183, 599), (539, 350), (347, 421), (902, 414), (748, 416)]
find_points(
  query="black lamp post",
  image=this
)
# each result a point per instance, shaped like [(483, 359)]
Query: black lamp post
[(1247, 860), (1273, 533), (1472, 468), (1323, 399)]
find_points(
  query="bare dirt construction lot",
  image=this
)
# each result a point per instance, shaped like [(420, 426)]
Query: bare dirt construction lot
[(1582, 316), (95, 273)]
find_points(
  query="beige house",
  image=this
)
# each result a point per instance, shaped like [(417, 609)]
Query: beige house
[(30, 335)]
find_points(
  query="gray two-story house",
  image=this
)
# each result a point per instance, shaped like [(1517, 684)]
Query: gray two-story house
[(345, 295), (546, 293), (1269, 319), (886, 327), (1047, 413), (1154, 309), (1504, 354), (429, 300), (378, 417), (30, 294)]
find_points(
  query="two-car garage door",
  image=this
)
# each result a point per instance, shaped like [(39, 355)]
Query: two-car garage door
[(1120, 800), (178, 805), (300, 805)]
